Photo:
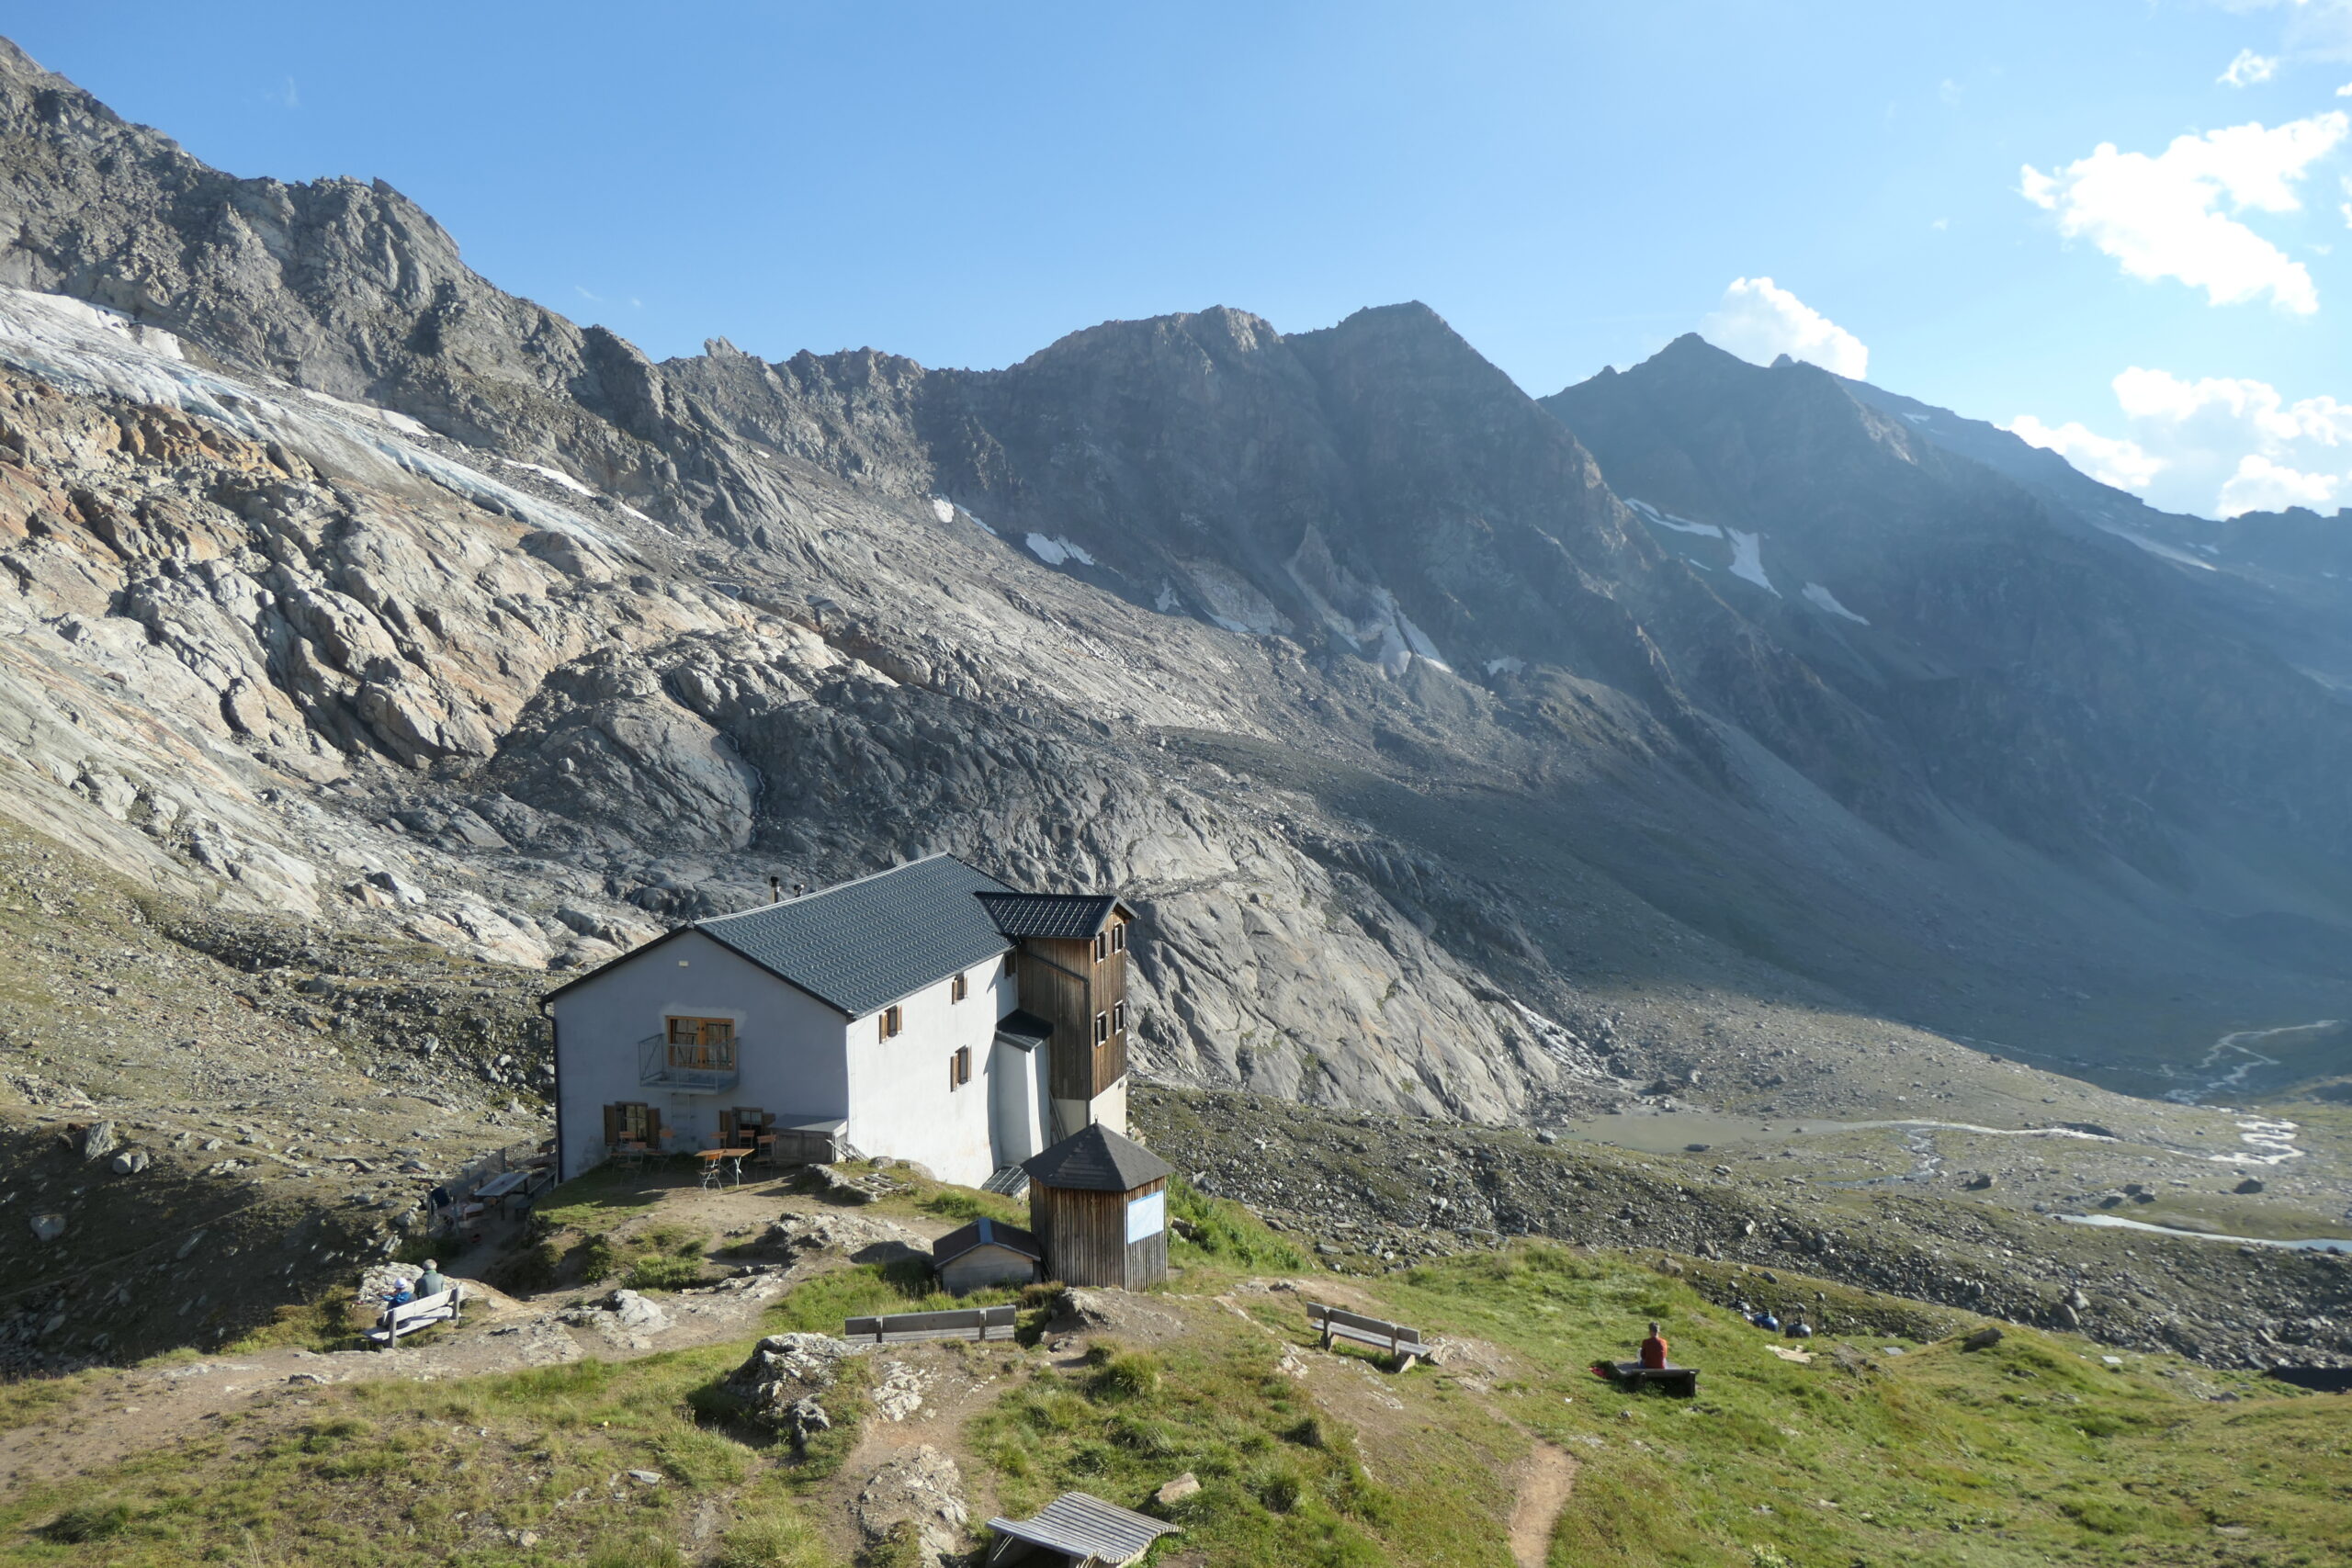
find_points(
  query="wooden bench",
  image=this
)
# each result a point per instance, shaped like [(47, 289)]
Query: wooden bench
[(423, 1313), (1682, 1381), (1399, 1341), (968, 1323)]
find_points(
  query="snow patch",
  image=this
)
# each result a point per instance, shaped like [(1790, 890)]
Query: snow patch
[(555, 476), (1919, 418), (1169, 601), (1828, 601), (1509, 664), (2156, 547), (408, 426), (1055, 551), (943, 509), (1668, 520), (89, 349), (1748, 559)]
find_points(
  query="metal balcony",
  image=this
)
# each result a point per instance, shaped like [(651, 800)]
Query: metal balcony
[(683, 1067)]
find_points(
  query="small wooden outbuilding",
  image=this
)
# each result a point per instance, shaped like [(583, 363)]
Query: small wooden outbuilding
[(1098, 1201), (986, 1252)]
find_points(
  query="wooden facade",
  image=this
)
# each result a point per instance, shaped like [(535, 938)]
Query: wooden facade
[(1085, 1236), (1080, 987), (984, 1266)]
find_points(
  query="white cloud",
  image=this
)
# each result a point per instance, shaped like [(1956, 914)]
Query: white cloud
[(2111, 460), (2249, 68), (2159, 216), (2315, 29), (2218, 445), (2261, 485), (1760, 320)]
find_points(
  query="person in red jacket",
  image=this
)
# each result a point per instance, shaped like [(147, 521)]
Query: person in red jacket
[(1654, 1352)]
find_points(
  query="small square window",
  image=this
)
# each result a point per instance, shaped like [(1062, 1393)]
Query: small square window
[(1119, 936), (1101, 1027), (892, 1021), (1118, 1018), (958, 988), (1101, 946), (959, 1066)]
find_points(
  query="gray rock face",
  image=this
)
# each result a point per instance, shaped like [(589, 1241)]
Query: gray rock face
[(922, 1489), (342, 586), (778, 1386)]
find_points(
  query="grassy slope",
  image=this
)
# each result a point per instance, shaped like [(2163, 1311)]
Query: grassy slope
[(2032, 1452)]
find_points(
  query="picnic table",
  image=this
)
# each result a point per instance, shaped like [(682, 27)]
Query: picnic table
[(710, 1160), (498, 1189)]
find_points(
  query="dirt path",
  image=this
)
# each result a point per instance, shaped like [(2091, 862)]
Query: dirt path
[(1547, 1476)]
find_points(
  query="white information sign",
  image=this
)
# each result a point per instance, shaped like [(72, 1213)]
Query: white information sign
[(1147, 1216)]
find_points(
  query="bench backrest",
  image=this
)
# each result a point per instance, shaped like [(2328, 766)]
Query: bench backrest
[(440, 1303), (965, 1323), (1355, 1326)]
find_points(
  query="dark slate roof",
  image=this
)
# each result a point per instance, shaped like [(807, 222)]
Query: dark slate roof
[(862, 945), (1024, 1029), (1070, 916), (984, 1233), (1087, 1530), (1096, 1159)]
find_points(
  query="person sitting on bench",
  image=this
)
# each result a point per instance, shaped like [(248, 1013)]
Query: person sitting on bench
[(1654, 1352), (431, 1282), (399, 1296)]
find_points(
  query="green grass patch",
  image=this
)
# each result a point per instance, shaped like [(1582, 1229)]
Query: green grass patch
[(1216, 1232), (819, 1305), (964, 1204)]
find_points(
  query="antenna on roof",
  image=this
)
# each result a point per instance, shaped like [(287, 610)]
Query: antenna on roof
[(776, 889)]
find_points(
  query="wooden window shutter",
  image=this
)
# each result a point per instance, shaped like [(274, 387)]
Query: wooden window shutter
[(959, 989)]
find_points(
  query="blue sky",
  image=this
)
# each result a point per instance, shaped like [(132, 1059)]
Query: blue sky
[(1569, 184)]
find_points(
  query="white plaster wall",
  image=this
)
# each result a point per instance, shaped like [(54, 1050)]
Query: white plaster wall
[(900, 1100), (1109, 1108), (791, 1047)]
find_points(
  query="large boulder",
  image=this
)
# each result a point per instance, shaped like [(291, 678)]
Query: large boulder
[(779, 1384), (855, 1237)]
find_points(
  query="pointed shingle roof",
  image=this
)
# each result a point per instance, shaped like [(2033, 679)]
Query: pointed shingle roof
[(1096, 1159), (1071, 917)]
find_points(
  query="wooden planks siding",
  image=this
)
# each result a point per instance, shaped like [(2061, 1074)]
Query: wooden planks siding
[(1066, 985), (986, 1266), (1110, 1061), (1147, 1259), (1054, 981), (1085, 1237)]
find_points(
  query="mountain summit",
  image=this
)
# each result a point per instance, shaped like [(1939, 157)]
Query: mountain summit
[(1442, 736)]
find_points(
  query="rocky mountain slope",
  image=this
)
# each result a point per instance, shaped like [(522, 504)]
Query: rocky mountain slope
[(343, 585)]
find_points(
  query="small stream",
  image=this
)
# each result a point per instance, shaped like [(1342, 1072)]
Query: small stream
[(2267, 1141)]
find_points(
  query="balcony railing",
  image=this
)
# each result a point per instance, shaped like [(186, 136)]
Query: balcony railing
[(686, 1066)]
